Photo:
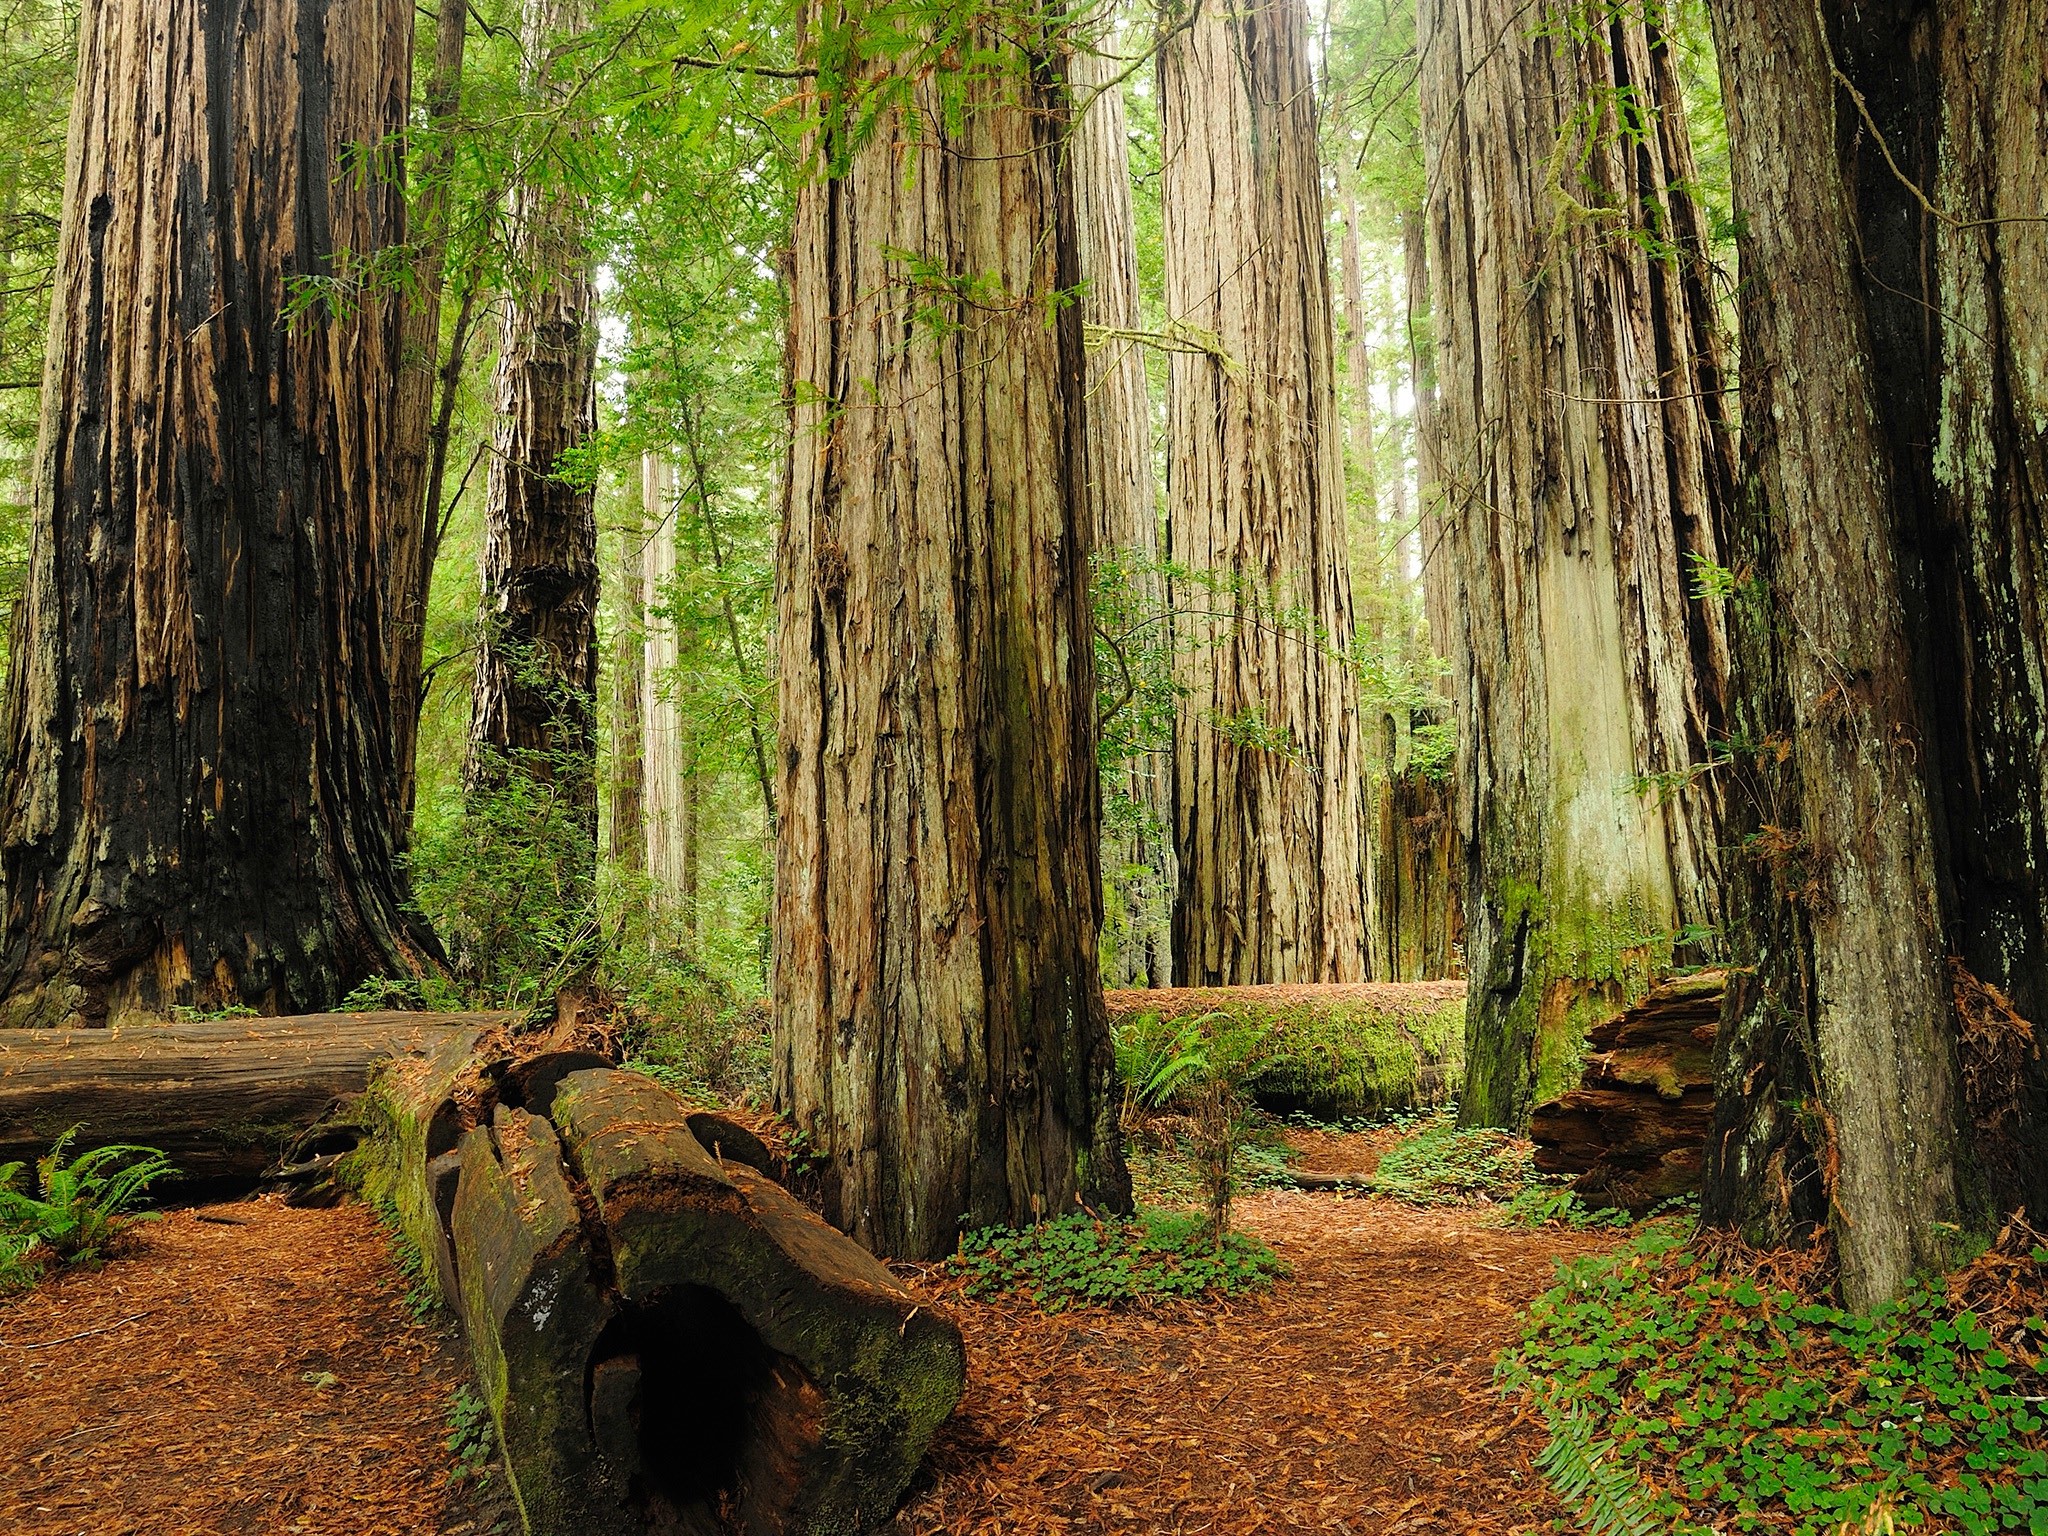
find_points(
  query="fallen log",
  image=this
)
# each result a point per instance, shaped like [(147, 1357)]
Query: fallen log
[(221, 1099), (1634, 1131), (1329, 1050), (668, 1341)]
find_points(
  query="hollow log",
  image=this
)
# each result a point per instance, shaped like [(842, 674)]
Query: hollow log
[(1634, 1131), (221, 1099), (669, 1342)]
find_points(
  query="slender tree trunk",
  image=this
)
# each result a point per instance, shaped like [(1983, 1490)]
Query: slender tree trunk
[(940, 1035), (1586, 470), (668, 846), (1891, 649), (1137, 861), (1431, 505), (536, 671), (412, 536), (1268, 804), (1362, 456), (629, 764), (195, 807)]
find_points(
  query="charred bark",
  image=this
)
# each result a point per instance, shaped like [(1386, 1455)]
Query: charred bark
[(1585, 472), (196, 803), (1268, 795), (939, 1026)]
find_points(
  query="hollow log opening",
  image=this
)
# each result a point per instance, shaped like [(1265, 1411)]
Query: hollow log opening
[(705, 1425)]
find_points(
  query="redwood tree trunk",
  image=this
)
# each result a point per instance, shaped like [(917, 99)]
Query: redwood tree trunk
[(1891, 638), (1585, 470), (194, 808), (413, 514), (533, 711), (1137, 854), (939, 1028), (1268, 803)]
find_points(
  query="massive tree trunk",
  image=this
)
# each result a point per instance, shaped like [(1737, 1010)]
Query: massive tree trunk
[(417, 453), (196, 798), (1137, 852), (1891, 636), (939, 1027), (1432, 524), (1268, 808), (1586, 472), (536, 669)]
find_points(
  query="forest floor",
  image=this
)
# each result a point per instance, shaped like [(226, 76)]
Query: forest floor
[(253, 1370)]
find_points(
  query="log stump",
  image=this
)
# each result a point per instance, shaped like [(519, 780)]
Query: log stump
[(1634, 1131)]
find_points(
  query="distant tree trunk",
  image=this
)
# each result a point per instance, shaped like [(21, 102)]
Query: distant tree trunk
[(536, 670), (1586, 470), (668, 845), (1431, 504), (412, 537), (629, 763), (195, 807), (1137, 859), (940, 1035), (1362, 457), (1890, 643), (1268, 807)]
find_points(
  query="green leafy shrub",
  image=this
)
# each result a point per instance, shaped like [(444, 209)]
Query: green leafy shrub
[(1439, 1164), (78, 1207), (1728, 1395), (1086, 1260)]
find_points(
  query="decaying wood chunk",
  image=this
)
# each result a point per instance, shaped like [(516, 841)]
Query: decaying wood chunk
[(1634, 1130)]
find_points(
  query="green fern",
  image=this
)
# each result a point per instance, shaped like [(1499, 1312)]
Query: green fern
[(83, 1203), (1604, 1497)]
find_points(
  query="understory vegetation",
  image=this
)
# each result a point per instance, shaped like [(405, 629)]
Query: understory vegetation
[(1691, 1385), (75, 1209)]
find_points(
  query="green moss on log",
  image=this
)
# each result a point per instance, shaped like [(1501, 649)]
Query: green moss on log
[(1333, 1051)]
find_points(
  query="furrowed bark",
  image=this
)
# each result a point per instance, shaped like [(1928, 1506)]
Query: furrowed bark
[(1268, 800), (1138, 865), (1585, 472), (196, 802), (939, 1027), (536, 672), (1837, 1075)]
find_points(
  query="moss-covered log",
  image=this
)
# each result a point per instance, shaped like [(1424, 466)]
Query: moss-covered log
[(1332, 1051), (1635, 1130), (221, 1099), (668, 1341)]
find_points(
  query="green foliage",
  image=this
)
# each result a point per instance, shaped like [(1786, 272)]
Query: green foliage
[(1086, 1260), (1439, 1164), (1733, 1399), (77, 1207), (472, 1440), (1156, 1056)]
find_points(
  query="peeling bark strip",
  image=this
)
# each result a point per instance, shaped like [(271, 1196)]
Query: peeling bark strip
[(1585, 466), (1268, 801), (939, 1026), (534, 704), (195, 804)]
